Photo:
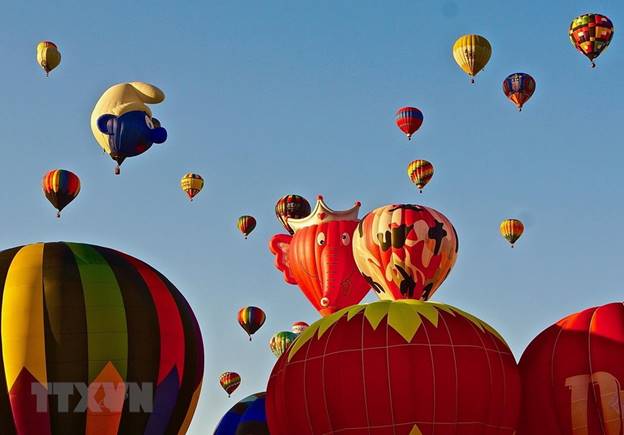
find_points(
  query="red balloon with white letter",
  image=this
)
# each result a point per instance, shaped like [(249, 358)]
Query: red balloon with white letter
[(573, 376), (319, 259)]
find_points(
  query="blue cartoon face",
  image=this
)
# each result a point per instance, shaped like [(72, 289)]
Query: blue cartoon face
[(131, 133)]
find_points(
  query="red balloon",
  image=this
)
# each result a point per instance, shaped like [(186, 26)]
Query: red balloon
[(409, 119), (573, 376), (395, 368), (319, 258)]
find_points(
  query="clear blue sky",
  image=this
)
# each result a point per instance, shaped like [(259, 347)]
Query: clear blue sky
[(269, 98)]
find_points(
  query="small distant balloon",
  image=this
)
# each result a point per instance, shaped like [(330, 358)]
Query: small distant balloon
[(192, 184), (251, 319), (291, 207), (511, 230), (409, 120), (60, 187), (591, 34), (299, 327), (420, 172), (48, 56), (246, 224), (518, 88), (472, 53), (281, 341), (229, 382)]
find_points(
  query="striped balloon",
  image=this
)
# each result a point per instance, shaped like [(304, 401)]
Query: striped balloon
[(511, 230), (247, 417), (251, 319), (291, 207), (409, 119), (519, 87), (94, 319), (60, 188), (281, 341), (192, 184), (420, 172), (246, 224), (229, 382), (472, 53)]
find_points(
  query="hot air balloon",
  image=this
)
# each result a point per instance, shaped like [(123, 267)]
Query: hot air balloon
[(591, 34), (573, 377), (246, 224), (104, 324), (281, 341), (409, 119), (299, 327), (395, 367), (318, 258), (60, 187), (122, 123), (247, 417), (48, 56), (472, 53), (519, 87), (229, 382), (192, 184), (405, 251), (291, 207), (420, 172), (511, 230), (251, 319)]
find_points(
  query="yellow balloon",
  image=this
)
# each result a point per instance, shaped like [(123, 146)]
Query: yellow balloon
[(122, 98), (48, 56), (472, 53)]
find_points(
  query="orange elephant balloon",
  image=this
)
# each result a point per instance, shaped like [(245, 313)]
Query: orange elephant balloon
[(319, 259), (405, 251)]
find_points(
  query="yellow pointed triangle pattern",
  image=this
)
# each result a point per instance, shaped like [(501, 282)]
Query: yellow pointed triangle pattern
[(404, 316), (415, 430)]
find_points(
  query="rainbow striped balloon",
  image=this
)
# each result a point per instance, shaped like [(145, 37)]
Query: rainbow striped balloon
[(60, 187), (87, 318), (229, 382), (420, 172), (251, 319)]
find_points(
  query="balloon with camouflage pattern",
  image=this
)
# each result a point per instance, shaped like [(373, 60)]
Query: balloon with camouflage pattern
[(405, 251)]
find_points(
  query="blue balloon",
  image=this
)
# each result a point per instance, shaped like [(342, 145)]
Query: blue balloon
[(247, 417), (130, 134)]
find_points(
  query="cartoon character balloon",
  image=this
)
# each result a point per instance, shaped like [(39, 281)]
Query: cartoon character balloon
[(405, 251), (409, 120), (472, 53), (318, 258), (122, 123), (60, 187), (48, 56), (519, 87), (591, 34), (291, 207), (573, 377)]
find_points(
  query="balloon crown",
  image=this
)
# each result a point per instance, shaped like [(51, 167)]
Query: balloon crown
[(322, 214)]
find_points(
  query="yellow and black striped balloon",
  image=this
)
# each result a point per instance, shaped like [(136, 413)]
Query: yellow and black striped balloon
[(511, 230), (420, 172)]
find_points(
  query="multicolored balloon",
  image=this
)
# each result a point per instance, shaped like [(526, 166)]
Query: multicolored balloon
[(247, 417), (82, 315), (472, 53), (405, 251), (60, 187), (396, 367), (299, 327), (591, 34), (229, 382), (420, 172), (409, 119), (318, 258), (48, 56), (291, 207), (519, 87), (281, 341), (573, 377), (246, 224), (122, 123), (511, 230), (251, 319), (192, 184)]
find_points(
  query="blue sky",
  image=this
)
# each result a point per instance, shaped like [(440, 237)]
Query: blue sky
[(269, 98)]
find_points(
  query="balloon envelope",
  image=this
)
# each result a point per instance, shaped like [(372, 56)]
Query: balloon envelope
[(519, 87), (229, 382), (48, 56), (281, 341), (591, 34), (247, 417), (291, 207), (251, 319), (60, 187), (511, 230), (472, 53), (409, 120), (192, 184)]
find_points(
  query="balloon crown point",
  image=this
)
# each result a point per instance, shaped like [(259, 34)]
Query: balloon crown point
[(323, 214)]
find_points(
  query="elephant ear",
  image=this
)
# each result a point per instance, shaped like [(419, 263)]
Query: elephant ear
[(104, 125), (279, 245)]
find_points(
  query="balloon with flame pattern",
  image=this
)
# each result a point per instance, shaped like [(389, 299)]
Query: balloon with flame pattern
[(318, 258)]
